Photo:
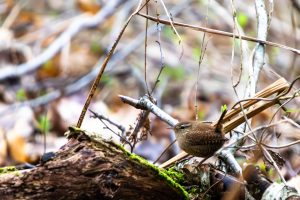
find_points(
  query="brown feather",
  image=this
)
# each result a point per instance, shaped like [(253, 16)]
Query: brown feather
[(199, 139)]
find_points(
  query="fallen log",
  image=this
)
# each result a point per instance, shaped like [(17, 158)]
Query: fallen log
[(88, 167)]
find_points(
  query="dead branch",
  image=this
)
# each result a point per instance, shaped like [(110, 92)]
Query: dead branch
[(223, 33)]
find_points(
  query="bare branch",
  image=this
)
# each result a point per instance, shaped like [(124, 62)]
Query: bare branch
[(223, 33), (144, 103)]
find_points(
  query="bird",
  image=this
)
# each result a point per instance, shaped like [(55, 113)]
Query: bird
[(199, 138)]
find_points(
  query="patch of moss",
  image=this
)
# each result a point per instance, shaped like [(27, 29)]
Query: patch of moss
[(73, 132), (162, 173), (175, 175), (197, 193), (194, 190), (8, 169)]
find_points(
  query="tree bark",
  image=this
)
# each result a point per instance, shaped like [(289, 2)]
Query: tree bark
[(89, 168)]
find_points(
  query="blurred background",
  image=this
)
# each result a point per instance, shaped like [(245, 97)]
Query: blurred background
[(51, 51)]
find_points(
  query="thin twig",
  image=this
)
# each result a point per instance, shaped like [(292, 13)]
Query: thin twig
[(236, 28), (291, 69), (279, 108), (213, 185), (101, 71), (170, 20), (142, 119), (223, 33), (229, 145), (274, 164), (145, 49), (202, 54), (162, 153), (162, 62), (242, 127), (281, 146), (120, 127)]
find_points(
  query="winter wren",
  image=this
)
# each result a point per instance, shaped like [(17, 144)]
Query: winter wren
[(198, 138)]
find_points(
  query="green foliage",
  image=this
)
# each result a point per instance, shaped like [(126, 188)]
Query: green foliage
[(223, 108), (266, 170), (262, 166), (21, 95), (242, 19), (44, 124)]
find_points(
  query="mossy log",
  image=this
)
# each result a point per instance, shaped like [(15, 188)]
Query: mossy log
[(90, 168)]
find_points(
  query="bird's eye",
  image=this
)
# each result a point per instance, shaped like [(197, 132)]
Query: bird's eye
[(183, 126)]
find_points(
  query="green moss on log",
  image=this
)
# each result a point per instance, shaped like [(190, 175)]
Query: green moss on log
[(162, 173), (8, 169)]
